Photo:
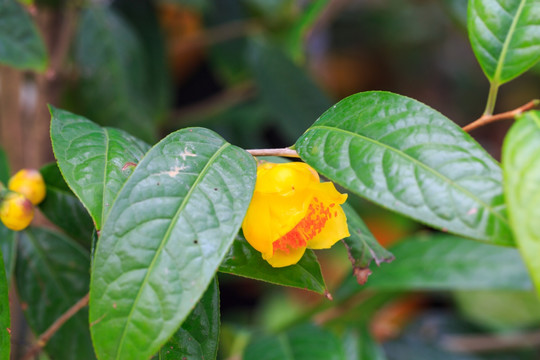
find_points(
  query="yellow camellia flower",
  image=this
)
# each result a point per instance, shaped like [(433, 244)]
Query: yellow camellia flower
[(30, 183), (16, 211), (291, 210)]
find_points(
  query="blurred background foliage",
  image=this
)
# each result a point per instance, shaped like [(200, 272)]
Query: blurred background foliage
[(260, 72)]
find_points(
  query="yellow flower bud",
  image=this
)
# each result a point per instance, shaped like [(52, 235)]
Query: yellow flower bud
[(291, 211), (28, 182), (16, 211)]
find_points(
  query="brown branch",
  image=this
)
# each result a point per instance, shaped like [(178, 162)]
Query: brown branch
[(486, 119), (484, 343), (46, 336), (222, 33), (274, 152), (62, 42), (215, 104)]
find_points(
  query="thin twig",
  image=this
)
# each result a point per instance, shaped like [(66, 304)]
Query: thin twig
[(222, 33), (62, 43), (486, 119), (216, 104), (274, 152), (44, 338), (483, 343)]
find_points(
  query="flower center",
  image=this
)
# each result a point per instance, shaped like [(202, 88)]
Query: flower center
[(310, 226)]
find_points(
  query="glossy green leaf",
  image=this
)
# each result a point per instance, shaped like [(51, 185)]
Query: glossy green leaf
[(407, 157), (4, 167), (198, 337), (92, 159), (168, 230), (113, 86), (8, 246), (52, 274), (505, 36), (244, 260), (306, 342), (358, 344), (362, 246), (5, 320), (63, 208), (446, 262), (21, 45), (293, 98), (521, 163)]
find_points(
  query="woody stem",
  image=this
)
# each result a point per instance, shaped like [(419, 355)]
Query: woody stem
[(286, 152)]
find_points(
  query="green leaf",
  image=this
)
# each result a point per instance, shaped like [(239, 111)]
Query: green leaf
[(112, 89), (244, 260), (197, 5), (198, 337), (457, 11), (445, 262), (293, 97), (362, 246), (4, 167), (8, 246), (407, 157), (294, 37), (5, 322), (521, 166), (52, 274), (358, 344), (21, 45), (63, 208), (227, 58), (91, 159), (142, 15), (499, 310), (168, 230), (505, 36), (306, 342)]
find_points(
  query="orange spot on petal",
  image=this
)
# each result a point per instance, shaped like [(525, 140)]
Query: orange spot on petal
[(310, 226)]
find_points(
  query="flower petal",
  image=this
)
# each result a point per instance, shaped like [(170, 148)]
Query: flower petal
[(334, 230), (287, 211), (283, 178), (270, 217), (257, 225), (281, 258), (327, 193)]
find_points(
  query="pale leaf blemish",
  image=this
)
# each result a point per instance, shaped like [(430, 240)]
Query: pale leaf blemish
[(174, 171), (186, 153)]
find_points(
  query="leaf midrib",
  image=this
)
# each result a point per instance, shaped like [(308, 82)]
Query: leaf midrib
[(183, 204), (418, 163), (506, 45)]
